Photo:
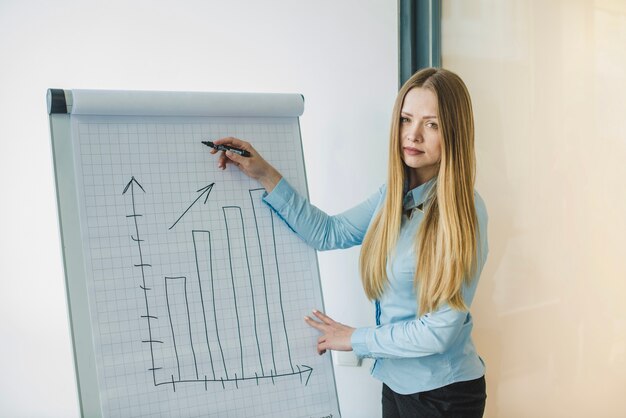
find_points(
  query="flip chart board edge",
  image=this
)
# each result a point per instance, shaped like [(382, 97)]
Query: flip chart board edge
[(73, 262), (317, 261)]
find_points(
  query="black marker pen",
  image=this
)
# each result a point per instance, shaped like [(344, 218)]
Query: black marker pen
[(241, 152)]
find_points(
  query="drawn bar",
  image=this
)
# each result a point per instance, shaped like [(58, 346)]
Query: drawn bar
[(244, 296), (203, 257), (272, 287), (180, 325)]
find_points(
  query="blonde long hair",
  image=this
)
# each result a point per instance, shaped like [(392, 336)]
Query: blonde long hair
[(446, 241)]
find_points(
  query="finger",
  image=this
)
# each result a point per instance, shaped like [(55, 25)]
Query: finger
[(235, 142), (222, 161), (236, 158), (323, 317), (313, 323)]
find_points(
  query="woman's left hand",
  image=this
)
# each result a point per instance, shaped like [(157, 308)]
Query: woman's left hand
[(335, 336)]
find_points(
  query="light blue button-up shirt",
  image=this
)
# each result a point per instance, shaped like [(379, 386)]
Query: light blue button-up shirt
[(411, 354)]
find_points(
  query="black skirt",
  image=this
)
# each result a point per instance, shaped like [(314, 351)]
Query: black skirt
[(457, 400)]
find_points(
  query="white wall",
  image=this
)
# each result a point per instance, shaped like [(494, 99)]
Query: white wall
[(342, 55), (548, 82)]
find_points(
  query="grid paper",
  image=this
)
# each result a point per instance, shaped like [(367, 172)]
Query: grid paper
[(197, 291)]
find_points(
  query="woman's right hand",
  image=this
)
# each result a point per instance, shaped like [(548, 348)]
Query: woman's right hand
[(254, 166)]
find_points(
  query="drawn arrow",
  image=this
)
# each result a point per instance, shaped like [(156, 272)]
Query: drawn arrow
[(130, 183), (307, 369), (202, 191)]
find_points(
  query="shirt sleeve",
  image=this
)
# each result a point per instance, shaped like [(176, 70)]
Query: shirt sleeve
[(317, 228), (432, 333)]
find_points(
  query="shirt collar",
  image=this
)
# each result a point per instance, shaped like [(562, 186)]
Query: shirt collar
[(415, 198)]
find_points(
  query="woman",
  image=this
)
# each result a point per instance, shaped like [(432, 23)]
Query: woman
[(424, 243)]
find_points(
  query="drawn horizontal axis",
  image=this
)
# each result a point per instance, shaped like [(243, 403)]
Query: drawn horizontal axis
[(304, 370)]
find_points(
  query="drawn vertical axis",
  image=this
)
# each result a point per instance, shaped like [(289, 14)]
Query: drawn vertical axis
[(206, 331), (142, 265), (267, 308)]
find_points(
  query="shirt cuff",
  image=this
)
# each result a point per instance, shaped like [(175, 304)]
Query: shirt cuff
[(279, 196), (359, 342)]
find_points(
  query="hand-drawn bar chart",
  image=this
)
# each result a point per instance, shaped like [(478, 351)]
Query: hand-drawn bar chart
[(226, 321)]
